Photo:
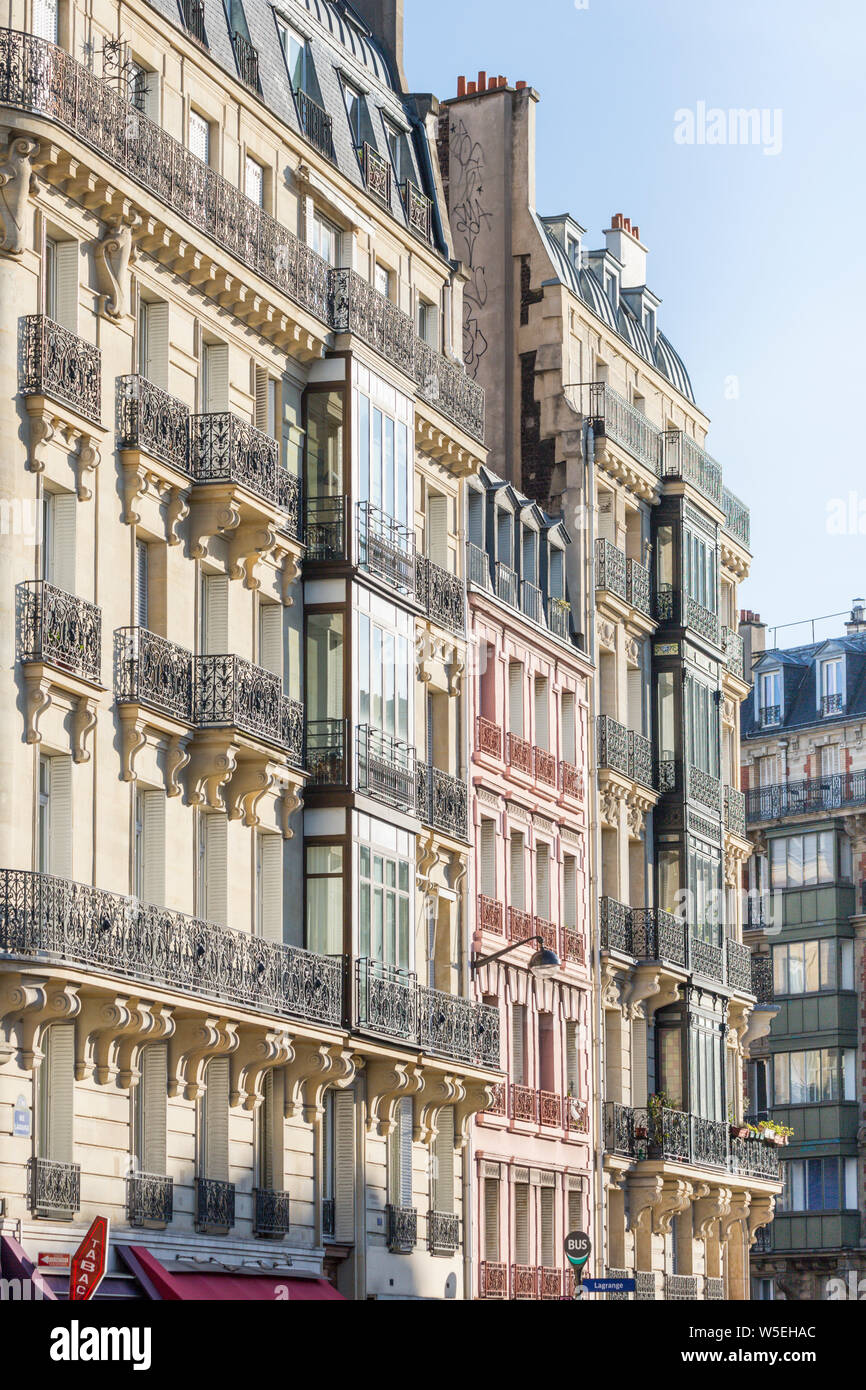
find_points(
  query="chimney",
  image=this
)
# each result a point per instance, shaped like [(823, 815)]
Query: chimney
[(623, 241), (857, 621), (385, 20), (754, 635)]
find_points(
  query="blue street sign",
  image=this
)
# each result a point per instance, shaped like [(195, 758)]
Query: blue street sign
[(21, 1118), (609, 1285)]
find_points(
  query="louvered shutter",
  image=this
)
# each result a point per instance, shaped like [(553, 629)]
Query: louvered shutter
[(542, 881), (571, 1069), (548, 1258), (488, 857), (406, 1126), (568, 731), (575, 1211), (199, 137), (45, 20), (437, 530), (216, 378), (518, 1044), (58, 1094), (216, 1106), (155, 364), (60, 816), (215, 831), (475, 507), (516, 869), (515, 698), (266, 402), (605, 516), (66, 284), (521, 1223), (569, 891), (635, 700), (443, 1193), (152, 875), (344, 1166), (271, 887), (430, 708), (271, 638), (266, 1134), (215, 616), (61, 541), (542, 715), (141, 558), (153, 1093), (491, 1219)]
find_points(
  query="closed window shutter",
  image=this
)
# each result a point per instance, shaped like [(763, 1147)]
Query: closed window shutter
[(45, 19), (406, 1125), (491, 1219), (437, 530), (516, 864), (635, 700), (216, 1132), (215, 831), (66, 284), (515, 698), (153, 1103), (141, 557), (518, 1044), (266, 402), (254, 181), (61, 541), (542, 882), (152, 875), (344, 1166), (575, 1211), (521, 1223), (266, 1134), (216, 378), (547, 1247), (271, 887), (199, 137), (215, 616), (568, 728), (488, 857), (443, 1189), (60, 816), (571, 1071), (58, 1094), (155, 363), (542, 719), (605, 517), (569, 891), (429, 710), (271, 638), (475, 505)]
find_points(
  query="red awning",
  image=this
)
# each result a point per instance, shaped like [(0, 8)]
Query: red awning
[(213, 1287)]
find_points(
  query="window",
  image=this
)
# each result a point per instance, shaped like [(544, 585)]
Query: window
[(813, 1077), (706, 1075), (45, 20), (542, 713), (384, 452), (442, 1184), (521, 1223), (401, 158), (142, 88), (213, 868), (324, 238), (299, 62), (819, 1184), (199, 137), (400, 1155), (801, 861), (517, 871), (140, 596), (269, 886), (383, 910), (568, 728), (149, 856), (569, 892), (571, 1067), (151, 1106), (338, 1165), (359, 118), (436, 530), (808, 967), (271, 638), (324, 649), (54, 850), (385, 661), (58, 540), (266, 393), (61, 282), (382, 280), (548, 1248), (324, 445), (491, 1220), (487, 877), (215, 378), (325, 899), (254, 181), (153, 341), (831, 699), (215, 1121), (428, 322), (515, 698), (518, 1045), (699, 570), (770, 697), (214, 614), (542, 881), (55, 1137), (702, 727)]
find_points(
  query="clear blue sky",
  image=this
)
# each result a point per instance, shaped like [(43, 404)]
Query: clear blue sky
[(760, 260)]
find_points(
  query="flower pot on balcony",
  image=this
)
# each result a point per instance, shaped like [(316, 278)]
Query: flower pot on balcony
[(739, 1131), (641, 1132)]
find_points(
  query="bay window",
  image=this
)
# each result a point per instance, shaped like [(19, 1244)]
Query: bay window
[(810, 967), (814, 1076), (802, 861), (385, 871), (819, 1184)]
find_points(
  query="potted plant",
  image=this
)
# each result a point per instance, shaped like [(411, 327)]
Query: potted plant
[(738, 1128), (776, 1134), (657, 1105)]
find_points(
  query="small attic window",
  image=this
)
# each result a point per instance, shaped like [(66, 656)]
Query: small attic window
[(611, 288), (649, 323), (572, 250)]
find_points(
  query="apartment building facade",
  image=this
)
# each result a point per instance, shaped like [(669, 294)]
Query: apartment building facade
[(803, 777), (591, 415), (233, 951)]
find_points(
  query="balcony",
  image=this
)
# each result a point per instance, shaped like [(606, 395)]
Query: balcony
[(53, 1189), (610, 569), (707, 959), (490, 915), (734, 653), (550, 1109), (681, 1286), (550, 1283), (615, 418), (763, 986), (193, 19), (386, 547), (377, 173), (653, 934), (443, 1232), (658, 935), (58, 629), (488, 737), (247, 59), (479, 567), (325, 527), (531, 602), (316, 124), (524, 1282), (573, 945), (638, 587), (548, 931), (214, 1206), (545, 766), (830, 705), (738, 966), (386, 768), (444, 384), (443, 801), (390, 1002), (559, 618), (737, 519), (715, 1288), (42, 916), (735, 812), (152, 421), (493, 1280), (518, 754), (231, 692), (682, 609), (441, 594), (327, 752), (769, 716), (57, 364), (705, 788), (520, 925), (419, 210), (677, 1137), (156, 673), (576, 1113), (621, 750), (507, 584), (686, 460), (356, 307), (149, 1199), (271, 1212), (226, 449), (571, 780)]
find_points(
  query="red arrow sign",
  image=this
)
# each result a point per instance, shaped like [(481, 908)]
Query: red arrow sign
[(89, 1262)]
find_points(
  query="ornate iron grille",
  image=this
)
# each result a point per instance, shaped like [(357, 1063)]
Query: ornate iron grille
[(523, 1103), (752, 1158), (443, 801), (443, 1232), (640, 759), (57, 364), (618, 1297), (76, 923), (739, 965), (356, 307), (681, 1286), (551, 1283), (810, 797), (53, 1188), (441, 595), (418, 209), (705, 788), (615, 926), (272, 1212), (548, 931), (493, 1281), (457, 1027), (386, 547), (670, 1135), (59, 629), (327, 745), (709, 1143), (520, 924), (149, 670), (737, 518), (387, 1000), (668, 773), (329, 1218), (231, 692), (612, 744), (149, 1199), (377, 173), (506, 584), (610, 568), (559, 618), (151, 420), (701, 620), (762, 979), (644, 1285), (685, 459), (498, 1105), (618, 1129), (518, 754), (247, 59), (715, 1288), (573, 945), (325, 528), (490, 915), (658, 935), (531, 602), (770, 715), (41, 78), (386, 768), (550, 1109), (479, 567), (488, 737), (831, 704), (402, 1230), (735, 811), (193, 19), (226, 449), (763, 1245), (545, 766), (706, 959), (571, 780), (615, 418), (638, 587), (316, 124), (214, 1205), (734, 652), (524, 1282), (665, 604)]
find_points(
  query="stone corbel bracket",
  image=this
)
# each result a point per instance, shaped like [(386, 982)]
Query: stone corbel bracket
[(761, 1213), (47, 423), (114, 253), (387, 1084), (16, 182), (249, 543), (256, 1054), (210, 517), (98, 1026), (55, 1002), (37, 698), (290, 802), (737, 1214), (644, 1195), (673, 1199), (193, 1043), (289, 564), (314, 1068), (83, 721), (428, 858), (19, 994), (437, 1091), (154, 1023), (251, 780), (211, 764), (170, 491), (477, 1096), (708, 1209)]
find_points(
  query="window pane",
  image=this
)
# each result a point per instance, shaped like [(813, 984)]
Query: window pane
[(812, 980), (825, 857), (815, 1189), (831, 1184), (828, 965), (795, 861), (796, 969), (780, 969), (810, 859)]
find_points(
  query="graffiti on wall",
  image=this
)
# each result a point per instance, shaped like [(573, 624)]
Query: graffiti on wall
[(469, 219)]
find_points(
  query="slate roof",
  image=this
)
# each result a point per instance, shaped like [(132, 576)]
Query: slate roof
[(800, 676)]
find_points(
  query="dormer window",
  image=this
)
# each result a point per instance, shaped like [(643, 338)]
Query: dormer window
[(649, 323), (572, 250), (299, 61), (359, 118), (401, 158), (770, 698), (610, 288), (830, 686)]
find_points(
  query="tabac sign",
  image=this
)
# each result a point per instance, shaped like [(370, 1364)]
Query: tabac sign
[(89, 1262)]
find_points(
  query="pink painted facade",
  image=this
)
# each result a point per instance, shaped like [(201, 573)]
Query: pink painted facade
[(528, 787)]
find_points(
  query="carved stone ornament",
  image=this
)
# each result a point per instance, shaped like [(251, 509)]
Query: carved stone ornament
[(16, 176), (114, 254)]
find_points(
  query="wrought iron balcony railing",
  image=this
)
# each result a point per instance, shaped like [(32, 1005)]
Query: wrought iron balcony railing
[(493, 1279), (419, 210), (763, 986), (550, 1109), (753, 1159), (571, 780), (226, 449), (714, 1289), (479, 567), (531, 602), (738, 965), (573, 945), (193, 19), (615, 418), (38, 77), (63, 631), (377, 173), (328, 752), (681, 1286), (706, 958), (390, 1002), (518, 754), (610, 568), (734, 652), (53, 1189), (231, 692), (316, 124), (149, 1199), (490, 915), (657, 935), (737, 518), (638, 587), (831, 704), (524, 1282), (441, 594), (443, 1232), (356, 307), (488, 737), (685, 459), (735, 811), (445, 384), (149, 670), (58, 364), (769, 716), (559, 618), (705, 788), (386, 767), (701, 620), (640, 1133), (247, 59), (545, 766), (386, 547), (615, 926), (325, 528), (507, 584), (520, 925), (272, 1212), (76, 923), (523, 1103), (640, 759), (548, 931), (612, 744), (153, 421), (214, 1205), (443, 801)]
